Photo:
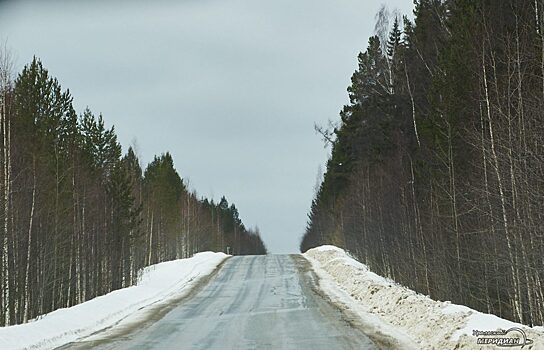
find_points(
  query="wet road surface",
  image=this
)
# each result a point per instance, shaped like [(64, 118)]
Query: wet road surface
[(253, 302)]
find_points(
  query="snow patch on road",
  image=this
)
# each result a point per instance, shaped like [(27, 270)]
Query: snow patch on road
[(405, 318), (158, 283)]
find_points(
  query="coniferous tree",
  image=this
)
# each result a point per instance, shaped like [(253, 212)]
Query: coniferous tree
[(438, 193), (80, 219)]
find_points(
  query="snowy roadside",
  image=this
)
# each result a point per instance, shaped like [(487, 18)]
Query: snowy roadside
[(400, 318), (158, 283)]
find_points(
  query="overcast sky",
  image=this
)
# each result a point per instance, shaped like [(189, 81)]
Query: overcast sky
[(231, 88)]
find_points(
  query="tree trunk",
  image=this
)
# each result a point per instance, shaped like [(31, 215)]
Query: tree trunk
[(517, 299), (29, 246)]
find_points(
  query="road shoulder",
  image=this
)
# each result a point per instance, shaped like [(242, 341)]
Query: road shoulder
[(141, 319), (383, 334)]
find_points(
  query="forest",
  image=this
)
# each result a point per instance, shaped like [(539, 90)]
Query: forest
[(78, 217), (436, 172)]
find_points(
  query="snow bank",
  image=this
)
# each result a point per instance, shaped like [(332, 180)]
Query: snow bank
[(397, 312), (158, 283)]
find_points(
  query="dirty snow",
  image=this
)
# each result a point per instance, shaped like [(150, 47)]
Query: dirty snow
[(403, 318), (158, 284)]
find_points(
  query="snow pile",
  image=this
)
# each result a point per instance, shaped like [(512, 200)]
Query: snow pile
[(429, 324), (158, 283)]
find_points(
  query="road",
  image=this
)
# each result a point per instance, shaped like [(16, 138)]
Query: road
[(253, 302)]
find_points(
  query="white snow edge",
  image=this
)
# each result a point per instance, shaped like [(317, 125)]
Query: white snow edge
[(158, 283), (406, 319)]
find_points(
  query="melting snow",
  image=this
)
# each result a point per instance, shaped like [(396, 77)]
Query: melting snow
[(403, 317), (158, 283)]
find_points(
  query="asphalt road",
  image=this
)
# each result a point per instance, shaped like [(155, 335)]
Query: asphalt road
[(253, 302)]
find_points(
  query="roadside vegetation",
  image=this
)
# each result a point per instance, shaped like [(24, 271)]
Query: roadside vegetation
[(78, 218), (436, 175)]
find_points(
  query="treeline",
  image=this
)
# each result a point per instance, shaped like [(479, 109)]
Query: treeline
[(78, 218), (436, 175)]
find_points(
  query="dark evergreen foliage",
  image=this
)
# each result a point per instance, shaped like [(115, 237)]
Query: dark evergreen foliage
[(435, 175), (79, 219)]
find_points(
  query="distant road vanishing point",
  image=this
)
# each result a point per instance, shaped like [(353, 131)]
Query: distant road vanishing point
[(252, 302)]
